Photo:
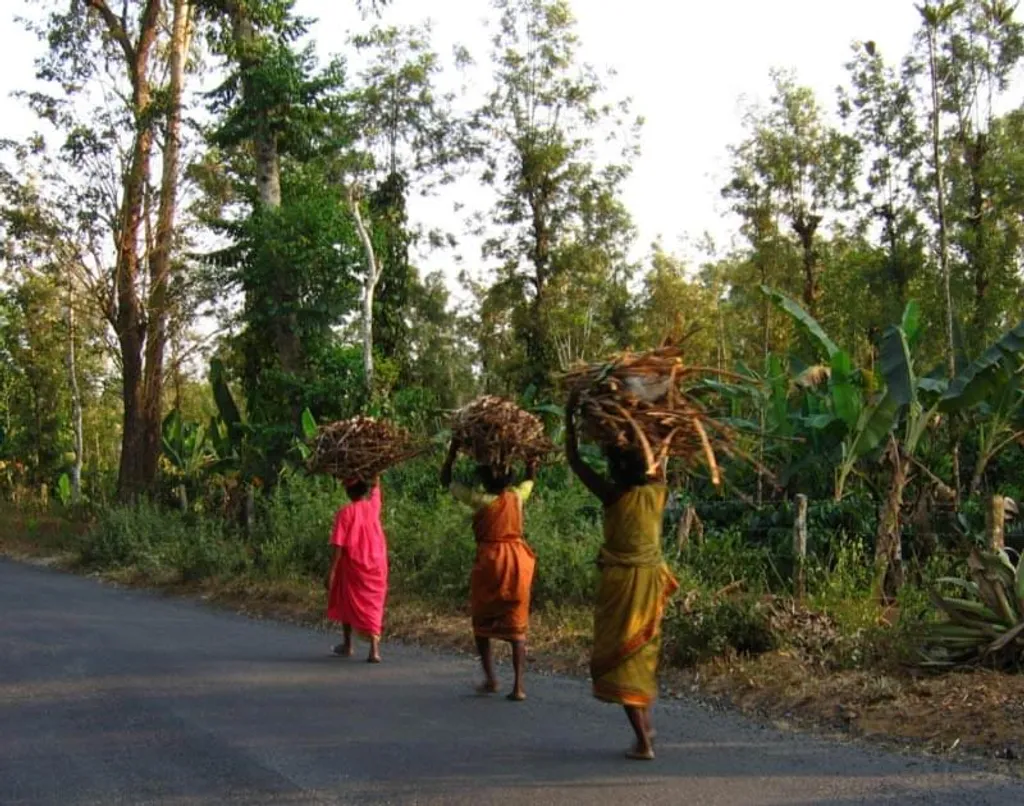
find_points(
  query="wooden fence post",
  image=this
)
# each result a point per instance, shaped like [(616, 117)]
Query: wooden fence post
[(800, 547), (996, 522), (250, 509), (687, 524)]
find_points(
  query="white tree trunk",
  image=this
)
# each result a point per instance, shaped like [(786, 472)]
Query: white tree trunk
[(370, 280)]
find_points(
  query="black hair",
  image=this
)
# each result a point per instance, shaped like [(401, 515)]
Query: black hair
[(357, 490), (495, 479), (627, 466)]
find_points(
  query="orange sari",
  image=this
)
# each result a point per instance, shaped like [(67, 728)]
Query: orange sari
[(503, 572)]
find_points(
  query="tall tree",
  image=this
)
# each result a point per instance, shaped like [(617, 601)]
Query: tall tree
[(979, 45), (800, 165), (160, 262), (282, 136), (88, 45), (558, 208), (410, 142), (880, 109)]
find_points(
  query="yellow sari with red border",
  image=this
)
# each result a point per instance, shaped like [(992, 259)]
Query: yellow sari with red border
[(635, 586)]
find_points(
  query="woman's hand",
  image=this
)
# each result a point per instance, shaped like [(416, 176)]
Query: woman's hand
[(592, 480)]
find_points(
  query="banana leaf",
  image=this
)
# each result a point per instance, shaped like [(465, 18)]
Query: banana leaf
[(982, 377), (804, 321)]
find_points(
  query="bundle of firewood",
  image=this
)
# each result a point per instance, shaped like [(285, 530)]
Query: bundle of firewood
[(496, 432), (645, 402), (361, 448)]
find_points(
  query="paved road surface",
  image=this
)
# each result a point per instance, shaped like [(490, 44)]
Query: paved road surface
[(118, 696)]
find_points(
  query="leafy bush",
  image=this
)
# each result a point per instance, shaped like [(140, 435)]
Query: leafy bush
[(725, 557), (564, 529), (708, 628), (147, 538), (294, 527), (124, 537)]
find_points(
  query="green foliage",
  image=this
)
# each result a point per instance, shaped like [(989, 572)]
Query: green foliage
[(294, 526), (984, 615), (807, 323), (64, 492), (710, 628), (560, 231), (729, 556), (151, 540), (185, 445)]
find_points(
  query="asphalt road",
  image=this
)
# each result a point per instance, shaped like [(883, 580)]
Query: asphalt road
[(118, 696)]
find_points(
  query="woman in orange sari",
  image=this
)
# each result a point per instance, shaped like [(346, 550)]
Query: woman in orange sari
[(635, 584), (502, 573)]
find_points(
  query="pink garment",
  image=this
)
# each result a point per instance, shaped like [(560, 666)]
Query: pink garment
[(361, 572)]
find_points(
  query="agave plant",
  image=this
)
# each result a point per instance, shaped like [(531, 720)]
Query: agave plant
[(988, 627)]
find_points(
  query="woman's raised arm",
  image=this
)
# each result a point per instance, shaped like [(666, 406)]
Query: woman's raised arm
[(591, 479)]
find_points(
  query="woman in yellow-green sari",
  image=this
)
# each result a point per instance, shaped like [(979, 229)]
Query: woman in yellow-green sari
[(635, 584)]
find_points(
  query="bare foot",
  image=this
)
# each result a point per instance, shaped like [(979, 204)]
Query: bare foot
[(488, 687), (517, 696), (374, 657), (343, 650), (639, 752)]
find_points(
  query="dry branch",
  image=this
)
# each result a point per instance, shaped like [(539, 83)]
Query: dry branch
[(644, 401), (361, 448), (496, 432)]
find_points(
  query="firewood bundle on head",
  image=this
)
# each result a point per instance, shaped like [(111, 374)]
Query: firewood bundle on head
[(360, 449), (496, 432), (640, 401)]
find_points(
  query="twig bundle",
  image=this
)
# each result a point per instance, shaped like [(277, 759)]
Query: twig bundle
[(642, 401), (361, 448), (496, 432)]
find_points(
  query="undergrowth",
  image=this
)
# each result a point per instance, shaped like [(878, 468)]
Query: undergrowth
[(728, 579)]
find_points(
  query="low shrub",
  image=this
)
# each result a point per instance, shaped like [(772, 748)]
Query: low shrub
[(149, 539), (125, 537), (699, 628)]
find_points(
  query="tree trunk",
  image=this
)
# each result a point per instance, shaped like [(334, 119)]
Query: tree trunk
[(766, 349), (369, 286), (888, 539), (975, 153), (158, 310), (130, 470), (805, 225), (285, 328), (129, 321), (76, 402), (996, 523), (940, 215)]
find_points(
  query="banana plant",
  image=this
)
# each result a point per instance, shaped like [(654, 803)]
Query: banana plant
[(987, 627), (895, 418), (229, 434), (185, 445), (991, 389), (864, 414)]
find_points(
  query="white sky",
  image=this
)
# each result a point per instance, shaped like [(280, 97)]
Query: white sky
[(691, 67)]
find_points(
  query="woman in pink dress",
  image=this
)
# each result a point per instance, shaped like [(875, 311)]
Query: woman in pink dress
[(358, 583)]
